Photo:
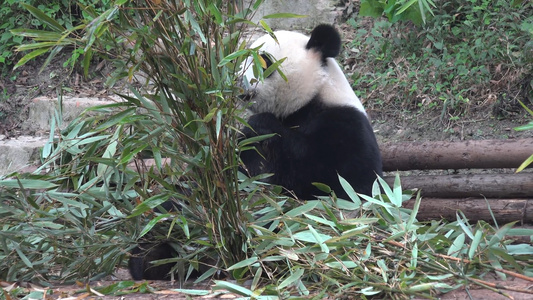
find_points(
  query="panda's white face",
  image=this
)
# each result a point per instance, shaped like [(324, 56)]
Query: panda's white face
[(308, 76)]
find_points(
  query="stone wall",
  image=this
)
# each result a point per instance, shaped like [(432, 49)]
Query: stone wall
[(317, 12)]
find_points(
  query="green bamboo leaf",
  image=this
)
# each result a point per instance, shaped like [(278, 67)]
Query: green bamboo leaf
[(414, 212), (244, 263), (405, 6), (322, 187), (30, 56), (475, 244), (349, 191), (38, 35), (457, 245), (526, 108), (86, 63), (193, 292), (359, 221), (494, 261), (388, 191), (526, 163), (370, 8), (500, 234), (463, 226), (39, 45), (148, 205), (439, 277), (528, 126), (397, 191), (152, 223), (310, 237), (237, 289), (342, 265), (90, 140), (519, 249), (347, 205), (255, 282), (229, 58), (414, 256), (296, 275), (128, 154), (320, 220), (300, 210), (274, 67), (116, 287), (24, 258), (27, 184), (208, 274), (521, 232), (116, 119), (43, 17), (216, 13), (267, 29), (421, 287), (319, 239), (258, 3)]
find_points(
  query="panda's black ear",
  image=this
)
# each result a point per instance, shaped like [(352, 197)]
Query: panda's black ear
[(326, 40)]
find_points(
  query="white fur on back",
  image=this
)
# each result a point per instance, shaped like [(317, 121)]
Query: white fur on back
[(306, 78)]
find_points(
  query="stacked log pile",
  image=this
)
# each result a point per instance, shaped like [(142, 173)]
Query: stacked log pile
[(509, 194)]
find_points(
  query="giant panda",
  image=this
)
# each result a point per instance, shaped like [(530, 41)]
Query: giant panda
[(320, 127)]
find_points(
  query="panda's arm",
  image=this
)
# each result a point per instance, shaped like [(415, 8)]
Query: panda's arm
[(286, 147)]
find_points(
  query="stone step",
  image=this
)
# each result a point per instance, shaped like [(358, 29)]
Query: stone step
[(22, 153), (43, 109)]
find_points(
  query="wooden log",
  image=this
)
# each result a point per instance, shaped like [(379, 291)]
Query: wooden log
[(455, 155), (472, 185), (475, 209)]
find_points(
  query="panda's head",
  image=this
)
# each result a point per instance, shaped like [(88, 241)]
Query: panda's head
[(309, 67)]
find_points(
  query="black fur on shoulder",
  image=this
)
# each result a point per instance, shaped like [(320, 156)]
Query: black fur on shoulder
[(315, 144), (141, 257), (326, 40)]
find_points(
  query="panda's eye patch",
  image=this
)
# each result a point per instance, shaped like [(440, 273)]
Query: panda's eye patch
[(267, 61)]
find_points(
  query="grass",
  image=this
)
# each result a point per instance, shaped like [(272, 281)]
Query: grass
[(466, 56)]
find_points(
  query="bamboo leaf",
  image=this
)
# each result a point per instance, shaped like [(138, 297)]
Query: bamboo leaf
[(244, 263), (525, 164), (38, 35), (27, 184), (296, 275), (475, 244), (234, 288), (24, 258), (300, 210), (30, 56), (318, 238), (310, 237), (457, 245), (229, 58), (349, 191), (44, 18), (193, 292), (414, 212)]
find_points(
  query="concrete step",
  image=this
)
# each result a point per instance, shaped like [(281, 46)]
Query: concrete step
[(23, 152), (20, 153), (42, 110)]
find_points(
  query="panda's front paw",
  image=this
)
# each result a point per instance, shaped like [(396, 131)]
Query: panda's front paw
[(262, 124)]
